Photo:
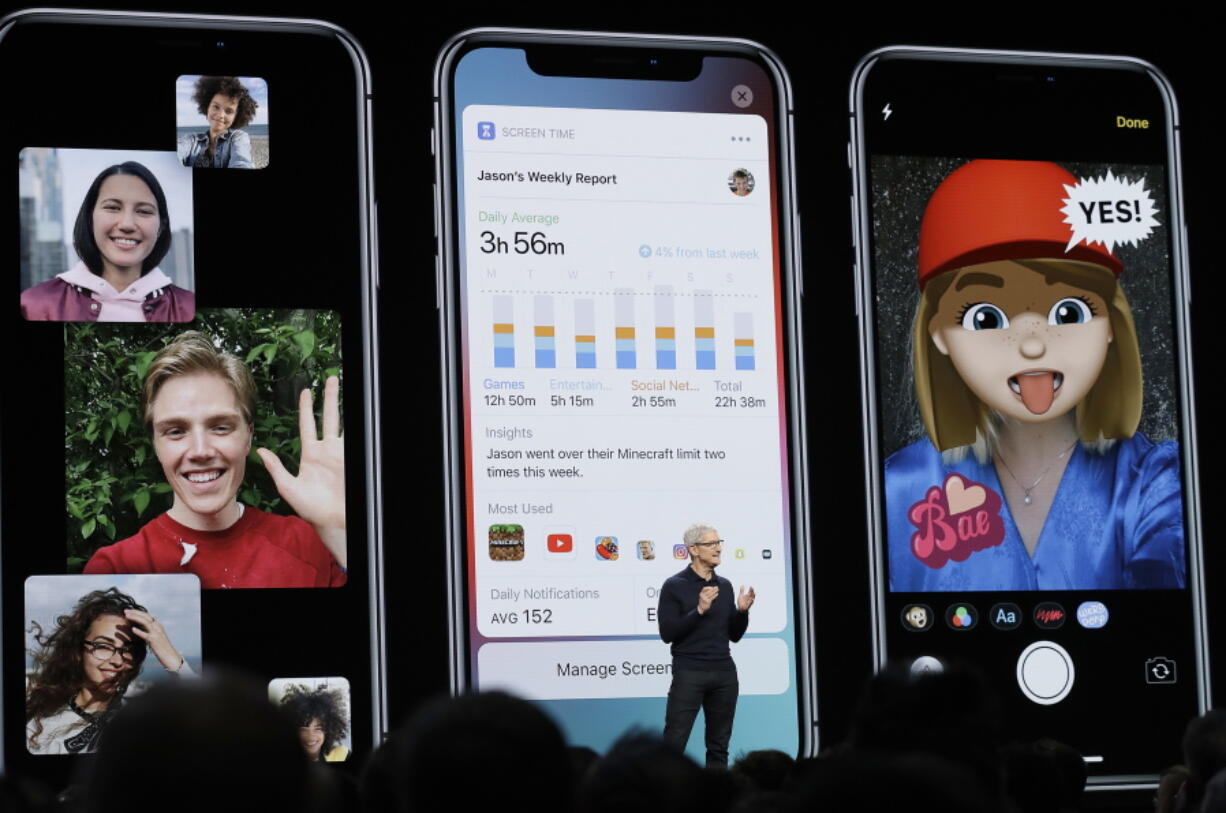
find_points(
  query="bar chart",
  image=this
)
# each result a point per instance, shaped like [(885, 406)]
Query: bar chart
[(704, 331), (504, 331), (666, 329), (585, 334), (543, 332), (658, 328), (743, 341)]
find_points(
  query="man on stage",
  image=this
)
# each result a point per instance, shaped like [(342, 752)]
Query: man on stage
[(699, 617)]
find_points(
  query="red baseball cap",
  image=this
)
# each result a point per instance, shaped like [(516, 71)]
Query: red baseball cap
[(990, 210)]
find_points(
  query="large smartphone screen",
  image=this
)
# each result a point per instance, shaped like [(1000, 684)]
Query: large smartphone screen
[(622, 372), (186, 450), (1035, 480)]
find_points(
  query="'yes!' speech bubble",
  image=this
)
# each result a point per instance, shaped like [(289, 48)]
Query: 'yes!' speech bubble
[(1109, 210)]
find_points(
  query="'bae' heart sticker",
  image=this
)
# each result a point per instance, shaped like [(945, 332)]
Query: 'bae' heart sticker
[(954, 520)]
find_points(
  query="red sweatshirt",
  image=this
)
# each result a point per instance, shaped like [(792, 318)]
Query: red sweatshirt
[(260, 550)]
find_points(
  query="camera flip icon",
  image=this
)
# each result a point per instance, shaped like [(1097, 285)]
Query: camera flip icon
[(1159, 670)]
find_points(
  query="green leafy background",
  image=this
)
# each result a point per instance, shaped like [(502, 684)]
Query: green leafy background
[(114, 482)]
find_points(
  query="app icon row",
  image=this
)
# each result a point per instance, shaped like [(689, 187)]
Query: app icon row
[(507, 543), (1005, 615)]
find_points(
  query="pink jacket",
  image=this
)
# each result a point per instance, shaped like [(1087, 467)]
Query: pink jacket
[(58, 300)]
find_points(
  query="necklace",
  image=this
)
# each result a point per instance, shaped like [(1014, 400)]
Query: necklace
[(1026, 498)]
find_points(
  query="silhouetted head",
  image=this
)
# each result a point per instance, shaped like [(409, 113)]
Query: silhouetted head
[(952, 714), (640, 772), (863, 781), (213, 744), (766, 768), (1204, 752), (492, 750)]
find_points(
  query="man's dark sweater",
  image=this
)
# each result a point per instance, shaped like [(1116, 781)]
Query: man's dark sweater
[(699, 641)]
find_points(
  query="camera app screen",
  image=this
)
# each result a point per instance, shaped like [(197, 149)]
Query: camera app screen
[(1027, 382)]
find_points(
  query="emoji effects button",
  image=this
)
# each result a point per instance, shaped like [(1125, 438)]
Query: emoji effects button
[(917, 617)]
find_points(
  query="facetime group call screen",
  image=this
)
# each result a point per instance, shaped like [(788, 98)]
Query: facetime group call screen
[(622, 381)]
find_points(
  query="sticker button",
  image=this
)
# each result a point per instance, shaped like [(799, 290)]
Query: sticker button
[(1045, 672), (1092, 615)]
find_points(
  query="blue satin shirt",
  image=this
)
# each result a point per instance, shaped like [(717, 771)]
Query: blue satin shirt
[(1116, 522)]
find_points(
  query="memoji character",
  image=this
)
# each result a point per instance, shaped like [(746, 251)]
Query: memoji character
[(1028, 380)]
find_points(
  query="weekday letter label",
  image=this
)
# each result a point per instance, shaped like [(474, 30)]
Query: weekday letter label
[(954, 520)]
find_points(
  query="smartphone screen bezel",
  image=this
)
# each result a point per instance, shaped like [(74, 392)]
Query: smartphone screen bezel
[(197, 31), (866, 312), (447, 271)]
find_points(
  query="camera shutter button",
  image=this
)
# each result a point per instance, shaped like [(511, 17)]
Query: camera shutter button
[(1045, 672)]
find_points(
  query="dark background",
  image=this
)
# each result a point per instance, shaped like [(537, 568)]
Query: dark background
[(402, 46), (820, 62)]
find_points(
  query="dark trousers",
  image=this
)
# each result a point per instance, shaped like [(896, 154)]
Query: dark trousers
[(715, 692)]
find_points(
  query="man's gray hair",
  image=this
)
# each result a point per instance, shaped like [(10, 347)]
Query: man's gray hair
[(694, 534)]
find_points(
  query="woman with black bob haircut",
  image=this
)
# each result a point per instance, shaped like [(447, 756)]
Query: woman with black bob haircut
[(122, 232), (83, 669), (228, 107), (322, 721)]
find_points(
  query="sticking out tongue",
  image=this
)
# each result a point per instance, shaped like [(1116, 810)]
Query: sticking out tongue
[(1038, 390)]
